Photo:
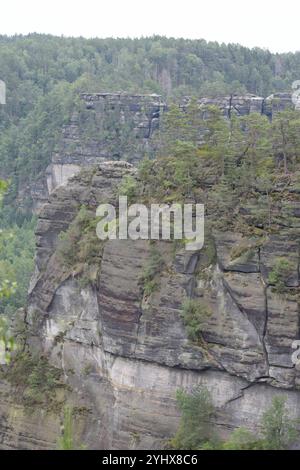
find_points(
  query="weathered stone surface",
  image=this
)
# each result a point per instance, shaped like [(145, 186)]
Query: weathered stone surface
[(282, 329), (277, 102), (124, 354), (22, 430), (231, 336), (248, 292)]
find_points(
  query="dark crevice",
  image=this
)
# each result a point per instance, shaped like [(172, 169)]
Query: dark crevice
[(266, 310), (230, 107), (138, 329), (282, 367), (241, 394)]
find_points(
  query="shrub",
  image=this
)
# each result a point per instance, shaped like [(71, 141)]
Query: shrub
[(279, 274), (128, 187), (149, 278), (79, 247), (7, 341), (36, 379), (194, 313)]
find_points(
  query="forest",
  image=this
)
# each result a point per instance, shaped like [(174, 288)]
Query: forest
[(43, 75)]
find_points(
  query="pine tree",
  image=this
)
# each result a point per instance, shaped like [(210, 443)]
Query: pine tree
[(286, 137)]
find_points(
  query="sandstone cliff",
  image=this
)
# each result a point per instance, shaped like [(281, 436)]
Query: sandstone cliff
[(123, 354)]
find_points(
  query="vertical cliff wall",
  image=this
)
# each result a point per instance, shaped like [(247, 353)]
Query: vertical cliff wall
[(122, 353), (107, 126)]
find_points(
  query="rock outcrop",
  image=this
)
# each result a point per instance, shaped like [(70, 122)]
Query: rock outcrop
[(108, 126), (124, 354), (120, 126)]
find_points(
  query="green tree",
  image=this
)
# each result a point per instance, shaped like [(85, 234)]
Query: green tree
[(217, 136), (173, 128), (278, 430), (7, 286), (6, 289), (286, 137), (195, 428), (257, 142), (17, 250), (280, 273), (7, 341)]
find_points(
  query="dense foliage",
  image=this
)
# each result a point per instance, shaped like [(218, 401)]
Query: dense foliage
[(223, 164), (17, 248)]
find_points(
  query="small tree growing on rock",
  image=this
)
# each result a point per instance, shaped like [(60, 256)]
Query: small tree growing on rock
[(279, 431), (195, 429)]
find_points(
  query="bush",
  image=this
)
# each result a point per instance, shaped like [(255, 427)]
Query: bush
[(149, 278), (194, 313), (7, 341), (66, 441), (279, 274), (128, 187), (79, 247)]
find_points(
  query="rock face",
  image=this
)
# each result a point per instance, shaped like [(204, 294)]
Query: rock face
[(247, 104), (124, 354), (107, 126), (120, 126)]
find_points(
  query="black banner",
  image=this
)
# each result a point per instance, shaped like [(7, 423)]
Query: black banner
[(138, 459)]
